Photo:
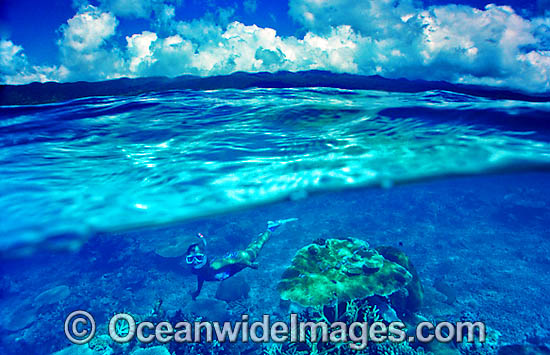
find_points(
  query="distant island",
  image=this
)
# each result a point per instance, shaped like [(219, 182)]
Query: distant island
[(40, 93)]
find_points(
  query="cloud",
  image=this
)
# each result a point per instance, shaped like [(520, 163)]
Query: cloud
[(250, 6), (12, 57), (379, 19), (85, 48), (88, 30), (224, 14), (15, 69), (453, 42), (204, 49), (139, 50), (457, 43), (138, 8)]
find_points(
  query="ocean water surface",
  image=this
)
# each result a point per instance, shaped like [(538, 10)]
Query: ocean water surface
[(100, 197)]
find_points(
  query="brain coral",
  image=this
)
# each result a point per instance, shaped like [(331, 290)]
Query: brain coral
[(341, 269)]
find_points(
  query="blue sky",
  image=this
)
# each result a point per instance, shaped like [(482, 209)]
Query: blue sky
[(37, 30), (505, 44)]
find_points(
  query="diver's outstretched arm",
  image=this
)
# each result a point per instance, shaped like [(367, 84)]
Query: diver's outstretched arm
[(200, 281)]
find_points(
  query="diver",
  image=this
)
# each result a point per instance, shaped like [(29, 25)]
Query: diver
[(221, 269)]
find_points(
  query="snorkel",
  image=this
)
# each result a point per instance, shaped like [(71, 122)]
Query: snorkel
[(196, 256)]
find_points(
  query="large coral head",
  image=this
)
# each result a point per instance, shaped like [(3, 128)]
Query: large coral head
[(340, 269)]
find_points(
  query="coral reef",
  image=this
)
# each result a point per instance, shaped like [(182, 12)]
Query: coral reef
[(524, 349), (500, 263), (52, 295), (209, 309), (489, 347), (20, 318), (173, 250), (443, 287), (340, 269), (155, 350), (76, 350), (411, 298), (233, 289), (103, 344), (357, 310)]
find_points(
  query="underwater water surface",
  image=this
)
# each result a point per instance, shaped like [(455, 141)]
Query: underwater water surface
[(101, 196)]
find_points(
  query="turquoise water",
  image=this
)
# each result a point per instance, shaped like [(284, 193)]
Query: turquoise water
[(113, 163), (101, 196)]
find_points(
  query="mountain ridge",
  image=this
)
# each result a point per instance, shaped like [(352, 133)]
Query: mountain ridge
[(49, 92)]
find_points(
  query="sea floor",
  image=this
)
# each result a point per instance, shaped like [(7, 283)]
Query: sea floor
[(481, 246)]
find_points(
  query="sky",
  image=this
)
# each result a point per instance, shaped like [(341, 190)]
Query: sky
[(502, 43)]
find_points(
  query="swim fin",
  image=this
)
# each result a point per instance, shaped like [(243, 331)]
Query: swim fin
[(272, 225)]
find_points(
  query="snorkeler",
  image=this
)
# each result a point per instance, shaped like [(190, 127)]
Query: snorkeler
[(221, 269)]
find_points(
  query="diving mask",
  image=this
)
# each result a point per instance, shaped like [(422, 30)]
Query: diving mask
[(195, 258)]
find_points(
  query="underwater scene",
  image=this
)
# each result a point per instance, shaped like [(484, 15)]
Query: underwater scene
[(329, 204)]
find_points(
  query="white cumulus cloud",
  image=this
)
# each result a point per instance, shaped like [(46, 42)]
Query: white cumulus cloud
[(456, 43), (15, 68), (85, 48), (204, 49), (139, 50), (88, 30)]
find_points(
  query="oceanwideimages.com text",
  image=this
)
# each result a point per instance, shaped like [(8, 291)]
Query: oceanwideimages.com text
[(80, 328)]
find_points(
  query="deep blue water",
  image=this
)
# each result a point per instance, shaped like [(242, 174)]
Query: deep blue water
[(100, 197)]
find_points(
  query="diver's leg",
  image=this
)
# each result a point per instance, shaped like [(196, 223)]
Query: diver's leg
[(249, 255), (246, 256), (251, 252)]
